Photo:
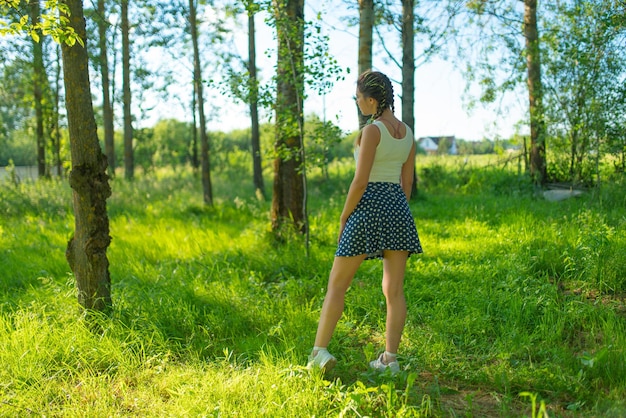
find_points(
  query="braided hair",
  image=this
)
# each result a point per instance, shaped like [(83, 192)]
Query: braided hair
[(376, 85)]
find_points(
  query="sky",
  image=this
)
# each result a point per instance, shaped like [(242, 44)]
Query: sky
[(440, 106)]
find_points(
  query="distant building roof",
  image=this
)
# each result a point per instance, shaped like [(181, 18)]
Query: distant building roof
[(430, 144)]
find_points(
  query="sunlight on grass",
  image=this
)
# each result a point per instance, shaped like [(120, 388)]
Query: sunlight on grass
[(212, 317), (171, 239)]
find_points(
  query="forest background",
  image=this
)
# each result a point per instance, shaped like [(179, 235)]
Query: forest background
[(551, 326), (160, 82)]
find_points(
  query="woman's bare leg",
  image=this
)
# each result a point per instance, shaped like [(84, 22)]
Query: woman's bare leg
[(394, 267), (341, 275)]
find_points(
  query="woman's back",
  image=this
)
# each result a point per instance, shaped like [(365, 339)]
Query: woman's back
[(391, 154)]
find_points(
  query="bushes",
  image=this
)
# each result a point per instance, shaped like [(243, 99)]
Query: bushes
[(471, 176)]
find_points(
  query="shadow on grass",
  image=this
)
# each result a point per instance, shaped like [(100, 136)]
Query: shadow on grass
[(225, 300), (28, 261)]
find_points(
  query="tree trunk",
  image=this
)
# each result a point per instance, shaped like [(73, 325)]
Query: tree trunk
[(129, 160), (197, 77), (535, 95), (195, 162), (366, 30), (408, 63), (86, 250), (288, 199), (572, 158), (408, 72), (107, 109), (39, 77), (254, 108), (55, 130)]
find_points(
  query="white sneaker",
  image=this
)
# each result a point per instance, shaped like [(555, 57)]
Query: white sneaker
[(379, 366), (322, 360)]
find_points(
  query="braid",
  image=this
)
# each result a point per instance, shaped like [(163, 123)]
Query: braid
[(377, 85)]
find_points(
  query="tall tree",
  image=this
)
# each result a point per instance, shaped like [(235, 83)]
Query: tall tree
[(86, 250), (289, 194), (207, 191), (366, 30), (254, 102), (244, 85), (434, 23), (107, 107), (408, 72), (408, 62), (55, 128), (39, 81), (505, 19), (129, 163), (195, 161), (538, 169)]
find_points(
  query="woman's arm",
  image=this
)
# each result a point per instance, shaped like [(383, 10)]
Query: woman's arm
[(369, 141), (408, 169)]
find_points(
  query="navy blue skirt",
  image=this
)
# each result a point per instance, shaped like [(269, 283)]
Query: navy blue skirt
[(381, 221)]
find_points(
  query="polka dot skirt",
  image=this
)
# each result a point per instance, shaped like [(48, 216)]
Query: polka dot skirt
[(381, 221)]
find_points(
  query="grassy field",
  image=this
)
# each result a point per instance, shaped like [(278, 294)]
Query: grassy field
[(516, 307)]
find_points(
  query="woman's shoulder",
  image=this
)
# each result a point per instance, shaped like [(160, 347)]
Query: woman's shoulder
[(371, 132), (378, 124), (385, 133), (372, 128)]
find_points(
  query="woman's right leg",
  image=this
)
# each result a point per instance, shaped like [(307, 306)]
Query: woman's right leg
[(341, 275), (394, 267)]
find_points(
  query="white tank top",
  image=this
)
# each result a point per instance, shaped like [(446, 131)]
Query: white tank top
[(391, 154)]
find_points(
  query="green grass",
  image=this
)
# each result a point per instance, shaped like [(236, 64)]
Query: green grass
[(211, 317)]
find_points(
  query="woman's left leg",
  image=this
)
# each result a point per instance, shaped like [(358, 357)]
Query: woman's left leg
[(341, 275)]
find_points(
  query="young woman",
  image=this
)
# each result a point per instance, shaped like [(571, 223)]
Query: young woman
[(375, 222)]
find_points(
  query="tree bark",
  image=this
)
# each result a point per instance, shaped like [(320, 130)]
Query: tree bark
[(86, 250), (254, 107), (55, 129), (129, 159), (288, 199), (195, 162), (408, 72), (408, 63), (538, 170), (366, 30), (107, 108), (39, 79), (197, 77)]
